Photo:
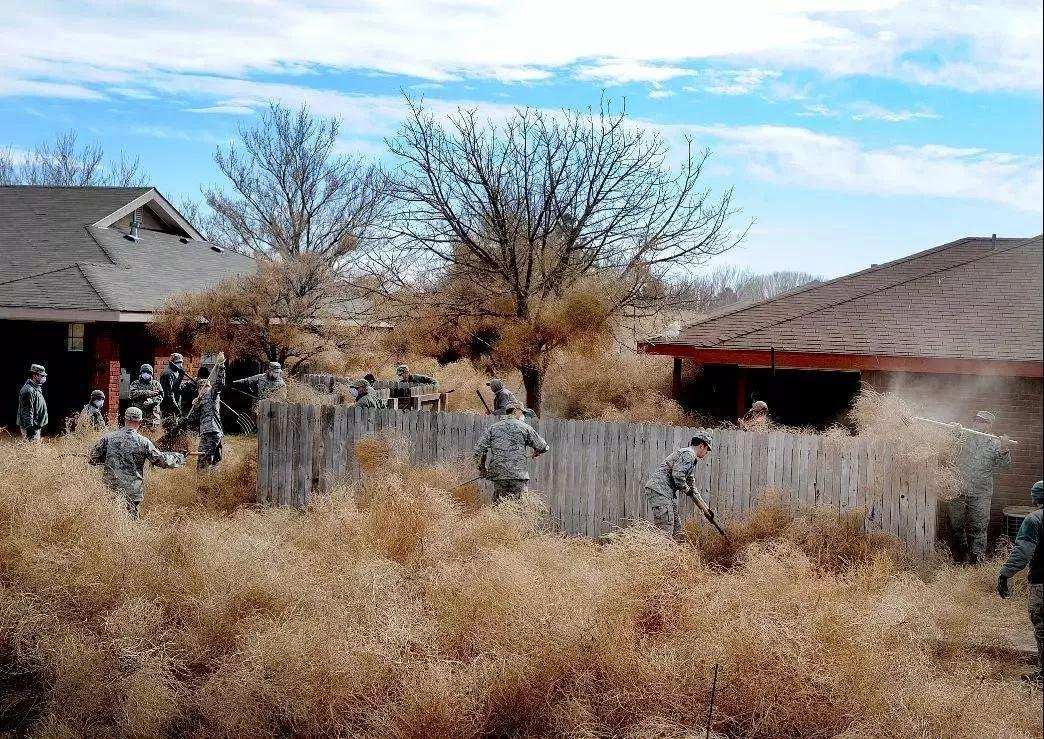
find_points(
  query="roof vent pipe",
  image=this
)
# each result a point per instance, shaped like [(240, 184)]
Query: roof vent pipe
[(135, 224)]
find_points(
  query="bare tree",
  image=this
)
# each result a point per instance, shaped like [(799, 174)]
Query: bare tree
[(61, 163), (730, 284), (528, 213), (292, 194)]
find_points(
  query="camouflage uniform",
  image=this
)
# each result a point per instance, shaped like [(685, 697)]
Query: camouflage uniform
[(502, 398), (172, 380), (502, 455), (32, 410), (148, 395), (367, 400), (262, 386), (206, 411), (969, 513), (674, 474), (93, 416), (124, 453)]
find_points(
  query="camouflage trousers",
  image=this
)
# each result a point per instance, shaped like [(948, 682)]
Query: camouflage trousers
[(210, 445), (131, 500), (513, 489), (1035, 602), (31, 434), (969, 519), (664, 510)]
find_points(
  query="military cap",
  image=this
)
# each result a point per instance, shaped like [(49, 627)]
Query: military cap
[(176, 358), (495, 385), (986, 416), (145, 368), (37, 369), (361, 383), (701, 439), (402, 369), (1037, 491), (759, 405), (275, 366), (95, 394), (133, 414)]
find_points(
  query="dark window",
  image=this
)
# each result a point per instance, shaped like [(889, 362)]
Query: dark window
[(74, 337)]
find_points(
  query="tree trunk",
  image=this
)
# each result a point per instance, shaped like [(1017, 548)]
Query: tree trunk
[(533, 380)]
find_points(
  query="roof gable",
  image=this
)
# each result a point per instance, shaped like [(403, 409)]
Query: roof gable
[(974, 298)]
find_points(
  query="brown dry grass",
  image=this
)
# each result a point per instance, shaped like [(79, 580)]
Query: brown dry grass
[(400, 610)]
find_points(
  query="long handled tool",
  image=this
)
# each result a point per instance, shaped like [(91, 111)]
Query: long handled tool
[(468, 482), (962, 428), (715, 525), (483, 399)]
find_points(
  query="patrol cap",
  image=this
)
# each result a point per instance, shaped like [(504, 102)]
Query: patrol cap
[(176, 358), (986, 416), (361, 383), (95, 394), (701, 439), (133, 414), (402, 368), (495, 385), (145, 368), (1037, 491), (275, 366), (37, 369), (759, 405)]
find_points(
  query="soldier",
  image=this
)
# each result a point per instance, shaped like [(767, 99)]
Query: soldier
[(266, 384), (92, 412), (147, 394), (402, 374), (501, 455), (172, 381), (676, 473), (502, 397), (969, 513), (206, 412), (32, 407), (124, 453), (757, 418), (363, 397), (1028, 552)]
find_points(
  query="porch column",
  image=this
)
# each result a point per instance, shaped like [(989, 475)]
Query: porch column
[(106, 373)]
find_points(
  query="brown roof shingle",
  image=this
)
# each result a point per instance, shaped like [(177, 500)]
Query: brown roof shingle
[(976, 298)]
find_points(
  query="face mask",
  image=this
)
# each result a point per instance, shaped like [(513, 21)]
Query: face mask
[(354, 393), (275, 375), (98, 403), (41, 381), (146, 376)]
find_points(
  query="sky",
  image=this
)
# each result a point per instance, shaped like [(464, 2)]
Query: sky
[(853, 131)]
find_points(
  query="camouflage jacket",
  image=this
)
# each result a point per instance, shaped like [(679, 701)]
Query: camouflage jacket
[(674, 474), (262, 386), (124, 453), (172, 382), (92, 416), (501, 400), (148, 396), (420, 380), (503, 451), (981, 457), (32, 408), (368, 400), (206, 408)]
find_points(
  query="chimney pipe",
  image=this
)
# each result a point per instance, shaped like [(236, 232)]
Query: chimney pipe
[(135, 224)]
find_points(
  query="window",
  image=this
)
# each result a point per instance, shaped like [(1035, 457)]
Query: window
[(74, 337)]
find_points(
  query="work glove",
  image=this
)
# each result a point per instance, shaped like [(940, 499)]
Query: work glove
[(1003, 589)]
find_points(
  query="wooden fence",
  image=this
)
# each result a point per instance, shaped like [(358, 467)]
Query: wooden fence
[(593, 477)]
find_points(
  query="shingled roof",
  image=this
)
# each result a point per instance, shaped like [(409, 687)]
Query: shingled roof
[(62, 248), (972, 299)]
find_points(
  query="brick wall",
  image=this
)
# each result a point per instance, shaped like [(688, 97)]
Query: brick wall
[(105, 373), (1017, 403)]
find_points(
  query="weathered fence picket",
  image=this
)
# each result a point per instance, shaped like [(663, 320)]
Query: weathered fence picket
[(593, 478)]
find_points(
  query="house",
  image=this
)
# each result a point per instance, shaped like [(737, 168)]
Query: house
[(954, 329), (82, 271)]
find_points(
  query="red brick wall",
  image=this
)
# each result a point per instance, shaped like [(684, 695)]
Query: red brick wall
[(105, 374), (1017, 403)]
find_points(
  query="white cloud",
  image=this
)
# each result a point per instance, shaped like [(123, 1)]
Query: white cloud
[(818, 110), (733, 81), (791, 156), (868, 111), (223, 110), (13, 87), (622, 71), (659, 94), (987, 44)]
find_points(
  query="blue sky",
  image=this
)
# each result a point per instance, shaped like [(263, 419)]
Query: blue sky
[(853, 131)]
